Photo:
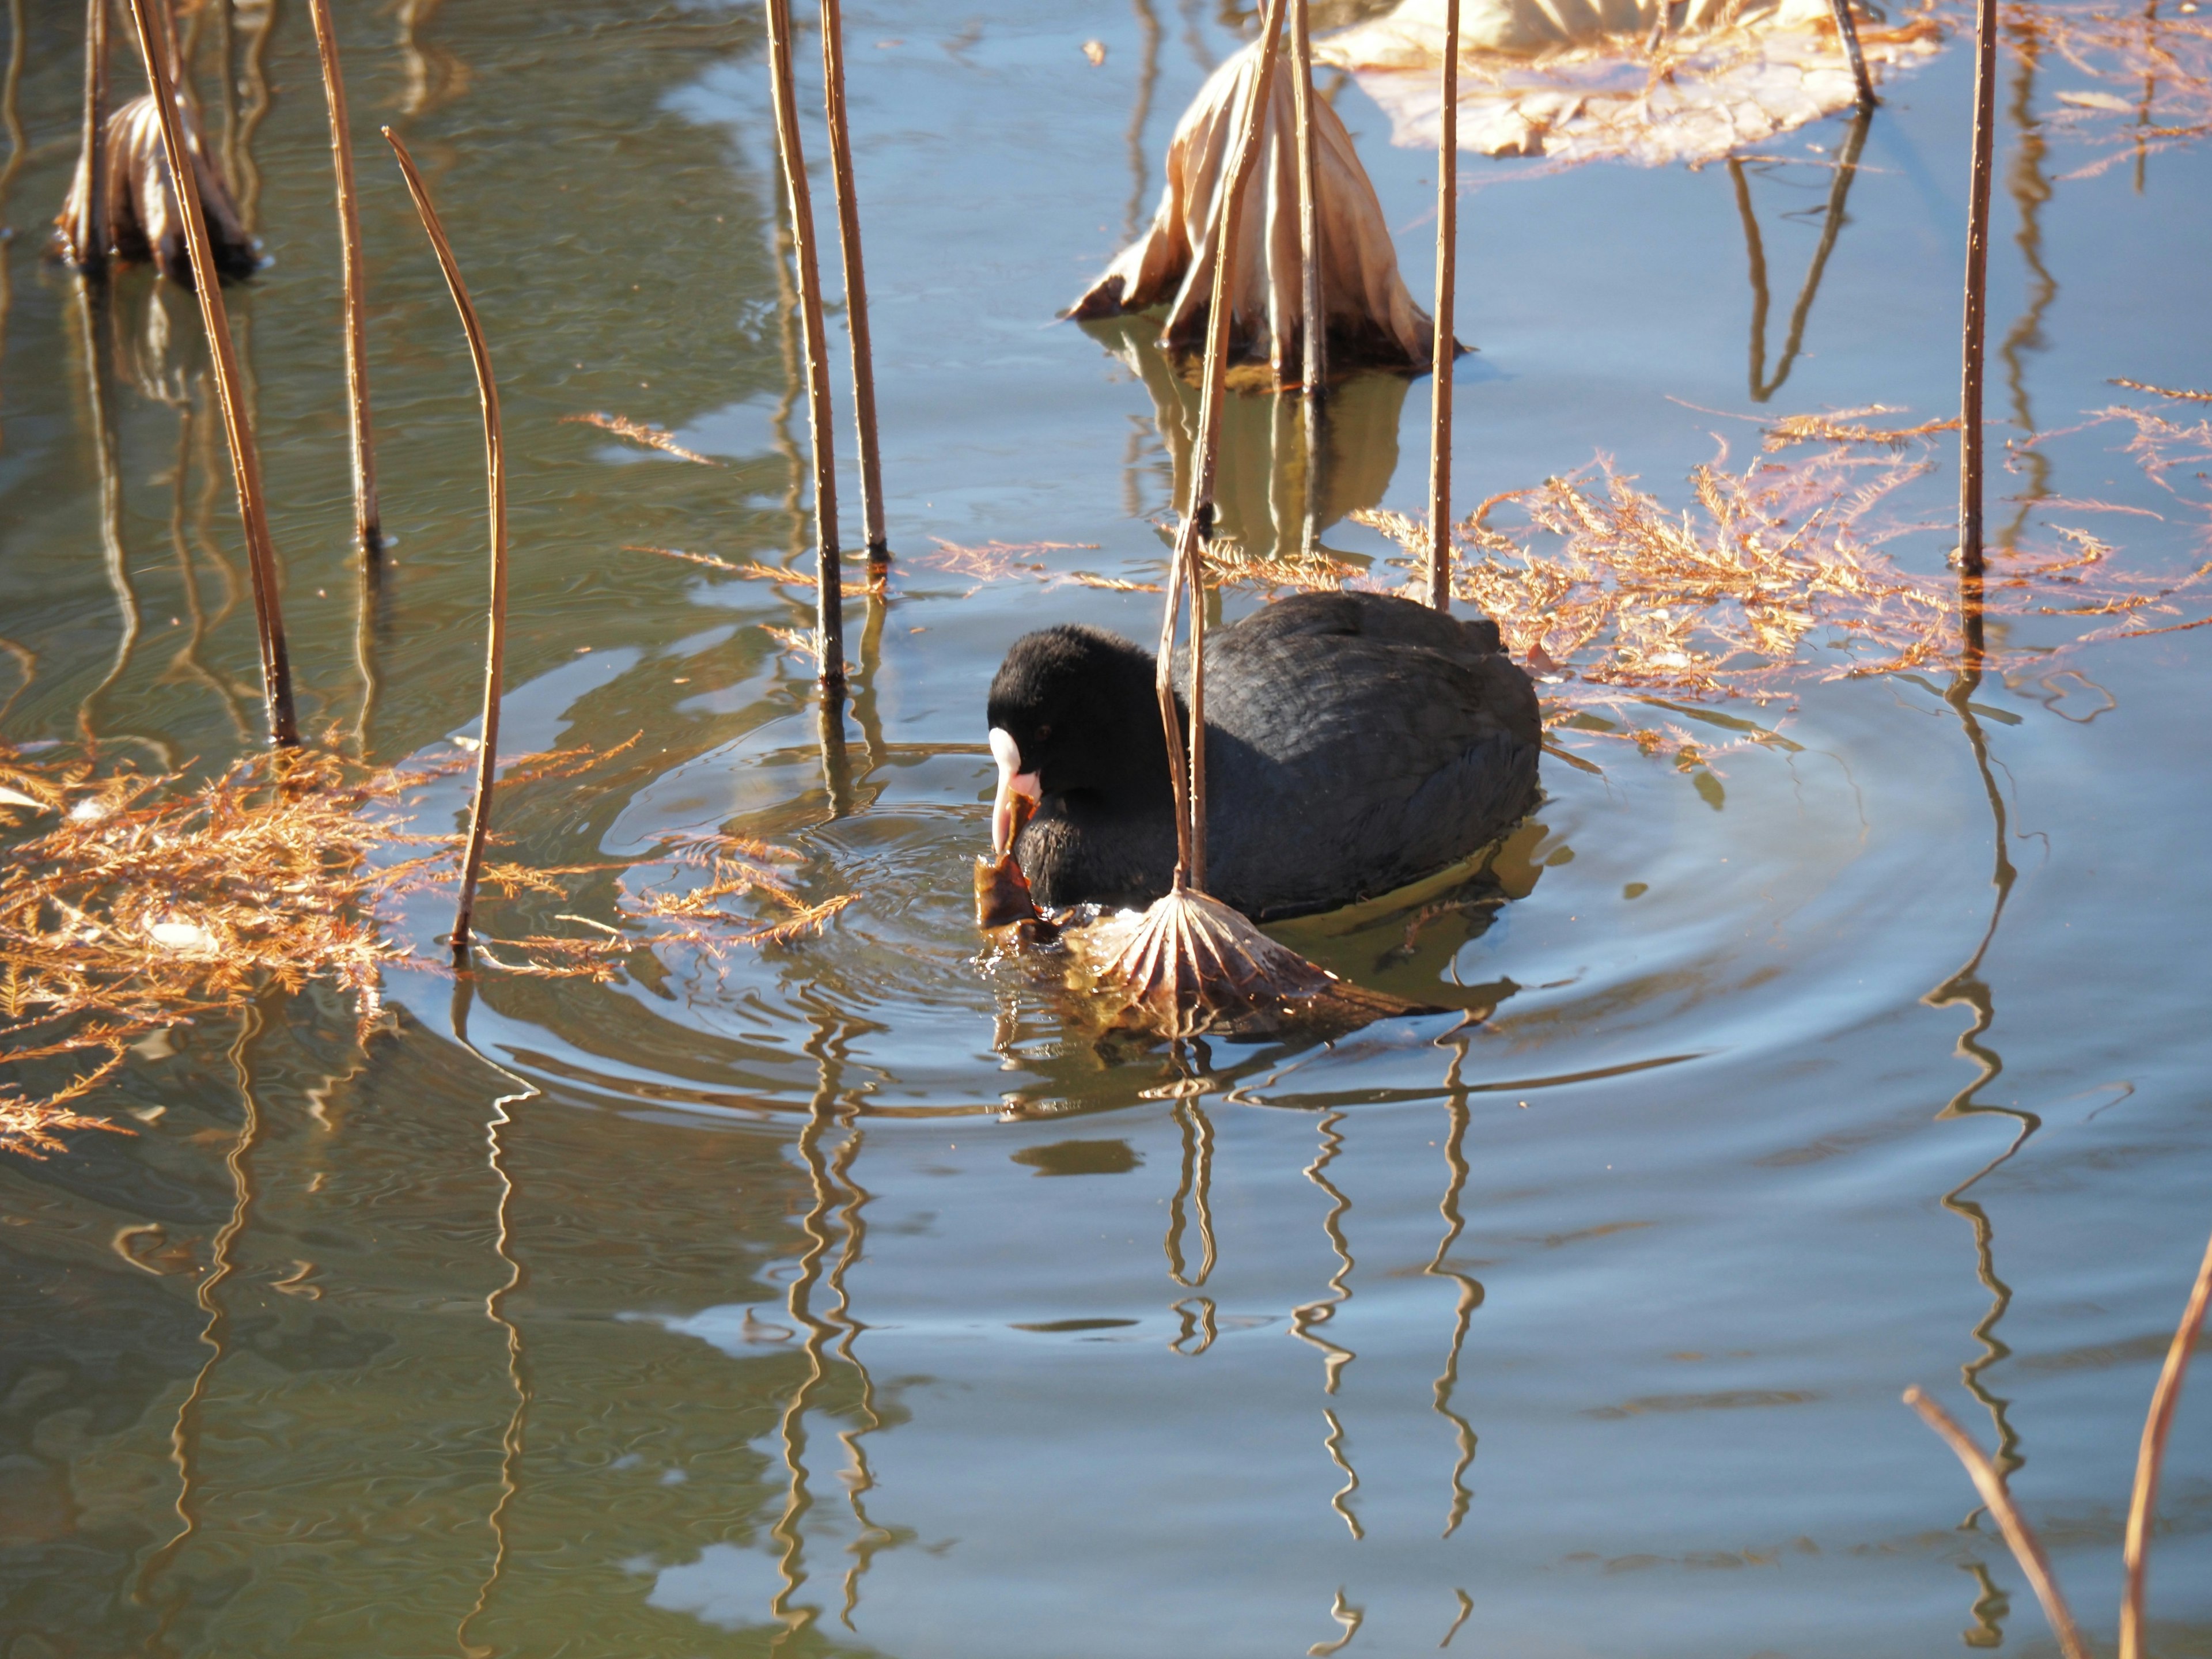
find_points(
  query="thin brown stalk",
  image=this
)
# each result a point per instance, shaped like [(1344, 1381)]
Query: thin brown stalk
[(1437, 575), (828, 597), (856, 281), (1848, 32), (366, 519), (2142, 1510), (2026, 1549), (495, 483), (1188, 571), (1316, 316), (1977, 277), (245, 456), (85, 231)]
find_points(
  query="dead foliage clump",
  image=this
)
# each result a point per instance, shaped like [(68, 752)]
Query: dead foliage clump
[(139, 901), (1847, 426), (139, 219)]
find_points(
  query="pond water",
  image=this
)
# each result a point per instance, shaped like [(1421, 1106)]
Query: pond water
[(721, 1308)]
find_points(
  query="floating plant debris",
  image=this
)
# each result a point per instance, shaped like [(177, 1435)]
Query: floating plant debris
[(638, 433)]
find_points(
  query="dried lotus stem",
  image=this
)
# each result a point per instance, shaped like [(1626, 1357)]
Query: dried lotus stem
[(2143, 1509), (1848, 32), (1187, 570), (496, 484), (1437, 572), (244, 458), (84, 233), (829, 592), (2017, 1534), (1316, 368), (367, 529), (1977, 281), (856, 281)]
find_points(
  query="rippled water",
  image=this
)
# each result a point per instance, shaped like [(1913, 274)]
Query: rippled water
[(764, 1303)]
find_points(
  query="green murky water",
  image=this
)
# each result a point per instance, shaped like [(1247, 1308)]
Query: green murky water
[(766, 1305)]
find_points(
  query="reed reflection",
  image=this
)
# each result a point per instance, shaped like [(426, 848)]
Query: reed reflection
[(1470, 1295), (2030, 191), (1839, 190), (511, 1444), (1282, 480), (11, 123), (187, 1433), (1303, 1319), (89, 310), (1148, 75)]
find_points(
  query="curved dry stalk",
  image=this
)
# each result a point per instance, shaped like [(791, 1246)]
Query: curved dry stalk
[(829, 592), (1977, 283), (2143, 1510), (367, 518), (495, 483), (244, 458), (1437, 574), (2026, 1549), (856, 281)]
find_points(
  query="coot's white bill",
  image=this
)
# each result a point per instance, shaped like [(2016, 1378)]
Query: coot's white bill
[(1012, 782)]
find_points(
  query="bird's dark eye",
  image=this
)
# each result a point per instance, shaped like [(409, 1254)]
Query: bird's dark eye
[(1044, 735)]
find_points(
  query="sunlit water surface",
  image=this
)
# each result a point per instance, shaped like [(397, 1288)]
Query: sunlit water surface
[(767, 1304)]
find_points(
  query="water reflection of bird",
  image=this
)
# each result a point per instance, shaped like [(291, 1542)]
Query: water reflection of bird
[(1356, 742)]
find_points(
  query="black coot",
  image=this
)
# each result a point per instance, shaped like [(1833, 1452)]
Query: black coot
[(1355, 742)]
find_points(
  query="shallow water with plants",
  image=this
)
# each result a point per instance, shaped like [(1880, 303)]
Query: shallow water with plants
[(1822, 1032)]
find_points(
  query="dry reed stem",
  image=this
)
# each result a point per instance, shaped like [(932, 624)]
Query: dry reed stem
[(1438, 577), (1976, 331), (2026, 1549), (495, 488), (1315, 344), (85, 244), (1190, 782), (638, 433), (1848, 32), (245, 456), (829, 605), (2142, 1508), (856, 281), (368, 519)]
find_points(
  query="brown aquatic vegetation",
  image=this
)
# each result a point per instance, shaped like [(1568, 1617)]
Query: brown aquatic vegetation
[(753, 568), (1776, 577), (638, 433), (2158, 65), (1839, 427), (992, 560), (140, 901)]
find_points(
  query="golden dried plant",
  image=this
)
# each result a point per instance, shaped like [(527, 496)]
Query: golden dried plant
[(2151, 70), (638, 433)]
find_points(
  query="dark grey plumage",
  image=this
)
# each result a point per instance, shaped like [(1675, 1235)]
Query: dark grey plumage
[(1355, 742)]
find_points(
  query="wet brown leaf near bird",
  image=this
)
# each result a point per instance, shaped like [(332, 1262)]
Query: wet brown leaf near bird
[(638, 433), (143, 222)]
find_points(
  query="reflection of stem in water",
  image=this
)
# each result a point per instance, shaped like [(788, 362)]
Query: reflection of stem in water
[(1839, 192), (860, 1479), (1348, 1620), (1194, 35), (259, 99), (26, 664), (1148, 31), (1466, 1606), (790, 1563), (518, 1374), (110, 501), (1334, 1444), (11, 122), (2030, 191), (1320, 1311), (187, 661), (413, 14), (1966, 987), (2149, 93), (787, 311), (1197, 1188), (1991, 1610), (1470, 1298), (186, 1435)]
